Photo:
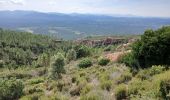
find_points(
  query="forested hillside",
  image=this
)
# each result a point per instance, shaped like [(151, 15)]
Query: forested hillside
[(38, 67), (21, 48)]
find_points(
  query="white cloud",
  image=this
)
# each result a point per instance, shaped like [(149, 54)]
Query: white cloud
[(20, 2), (12, 2), (111, 7)]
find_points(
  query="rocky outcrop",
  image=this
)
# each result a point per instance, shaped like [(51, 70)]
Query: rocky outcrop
[(100, 42)]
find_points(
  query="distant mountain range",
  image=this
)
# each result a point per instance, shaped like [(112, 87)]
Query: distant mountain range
[(71, 26)]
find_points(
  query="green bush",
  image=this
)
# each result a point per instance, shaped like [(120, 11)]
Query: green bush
[(86, 89), (59, 96), (108, 48), (32, 90), (130, 60), (135, 86), (121, 92), (125, 77), (106, 85), (86, 62), (103, 61), (162, 85), (83, 51), (10, 89), (76, 90), (165, 89), (43, 60), (156, 70), (92, 96), (147, 73), (36, 81), (57, 66), (153, 48), (71, 55)]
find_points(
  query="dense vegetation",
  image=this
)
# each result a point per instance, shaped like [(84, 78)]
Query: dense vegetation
[(22, 49), (10, 89), (37, 67), (152, 49)]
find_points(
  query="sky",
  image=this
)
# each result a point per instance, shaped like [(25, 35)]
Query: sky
[(151, 8)]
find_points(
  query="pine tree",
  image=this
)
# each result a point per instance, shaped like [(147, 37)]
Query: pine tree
[(57, 66)]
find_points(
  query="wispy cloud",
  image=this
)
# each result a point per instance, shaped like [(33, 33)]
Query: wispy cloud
[(12, 2), (159, 8)]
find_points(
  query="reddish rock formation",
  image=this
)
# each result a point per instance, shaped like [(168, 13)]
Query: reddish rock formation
[(106, 41)]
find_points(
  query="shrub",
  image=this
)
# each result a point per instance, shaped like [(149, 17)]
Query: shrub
[(17, 75), (121, 92), (153, 48), (31, 97), (75, 90), (156, 70), (108, 48), (74, 79), (60, 85), (104, 76), (135, 87), (36, 81), (43, 60), (162, 85), (11, 89), (143, 74), (83, 51), (103, 61), (129, 60), (165, 88), (34, 97), (147, 73), (57, 66), (2, 63), (92, 96), (32, 89), (71, 55), (125, 77), (86, 62), (86, 89), (106, 85), (57, 96)]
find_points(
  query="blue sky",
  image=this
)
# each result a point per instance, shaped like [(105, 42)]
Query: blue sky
[(153, 8)]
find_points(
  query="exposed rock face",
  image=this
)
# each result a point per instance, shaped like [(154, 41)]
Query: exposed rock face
[(106, 41)]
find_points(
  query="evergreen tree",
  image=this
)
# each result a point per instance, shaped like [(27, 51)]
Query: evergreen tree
[(57, 66)]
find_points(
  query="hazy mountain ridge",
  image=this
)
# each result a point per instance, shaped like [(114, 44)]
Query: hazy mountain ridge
[(70, 26)]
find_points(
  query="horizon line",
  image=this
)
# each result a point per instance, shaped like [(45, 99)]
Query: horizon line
[(100, 14)]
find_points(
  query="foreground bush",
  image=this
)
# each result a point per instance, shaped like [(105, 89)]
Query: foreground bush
[(135, 87), (157, 88), (86, 89), (10, 89), (124, 78), (147, 73), (121, 92), (86, 62), (162, 85), (106, 85), (93, 95), (103, 61)]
